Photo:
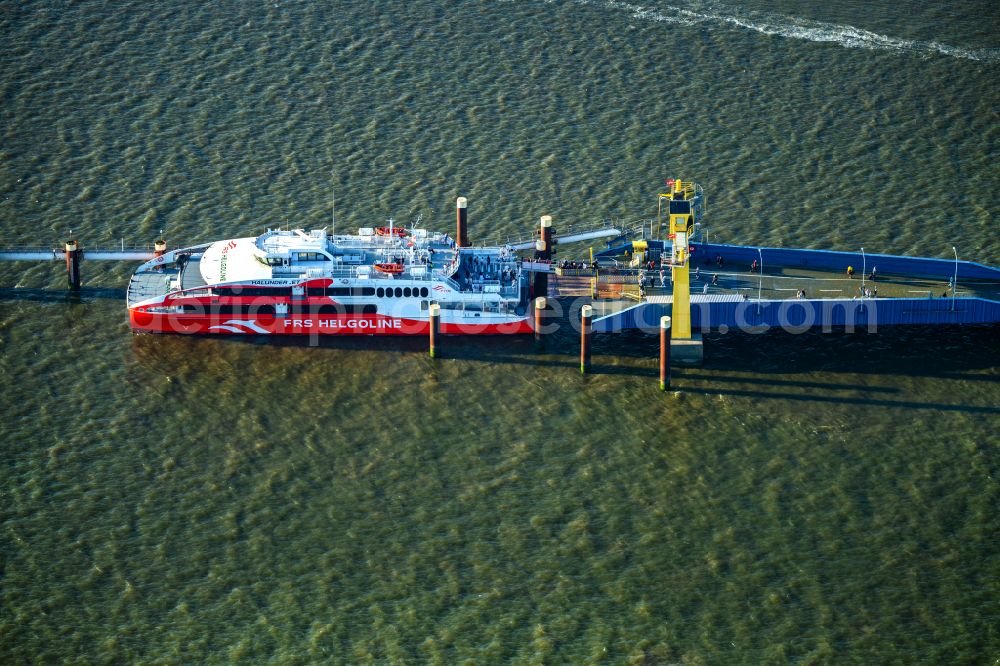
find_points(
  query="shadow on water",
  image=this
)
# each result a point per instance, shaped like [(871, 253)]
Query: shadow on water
[(821, 386), (831, 355), (833, 399), (83, 295), (943, 352)]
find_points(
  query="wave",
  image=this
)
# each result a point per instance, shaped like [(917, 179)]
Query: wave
[(794, 28)]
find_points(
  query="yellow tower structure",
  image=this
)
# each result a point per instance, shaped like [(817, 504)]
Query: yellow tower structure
[(681, 205)]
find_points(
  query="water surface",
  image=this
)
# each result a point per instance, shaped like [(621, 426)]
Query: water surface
[(814, 498)]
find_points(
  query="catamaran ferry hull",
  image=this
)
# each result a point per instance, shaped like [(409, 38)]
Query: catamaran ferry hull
[(305, 324), (376, 282)]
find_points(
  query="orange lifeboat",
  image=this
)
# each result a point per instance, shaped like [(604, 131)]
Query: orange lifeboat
[(391, 269), (390, 231)]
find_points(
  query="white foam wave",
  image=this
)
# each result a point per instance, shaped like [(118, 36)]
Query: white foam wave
[(794, 28)]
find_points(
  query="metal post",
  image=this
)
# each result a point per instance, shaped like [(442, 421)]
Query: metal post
[(760, 277), (954, 284), (435, 323), (664, 353), (586, 315), (462, 222), (73, 265), (543, 251), (864, 271), (540, 305)]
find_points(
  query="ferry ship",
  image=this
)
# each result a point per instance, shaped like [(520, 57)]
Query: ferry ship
[(380, 281)]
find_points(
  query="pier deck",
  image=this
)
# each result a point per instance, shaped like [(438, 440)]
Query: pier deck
[(814, 290)]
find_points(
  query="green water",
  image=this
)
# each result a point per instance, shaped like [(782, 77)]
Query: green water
[(807, 499)]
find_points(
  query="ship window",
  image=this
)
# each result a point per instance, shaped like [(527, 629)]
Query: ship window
[(407, 292), (423, 304), (310, 256), (260, 310), (350, 291), (380, 292), (680, 207), (316, 291), (399, 292), (340, 309), (252, 291), (423, 292), (227, 309)]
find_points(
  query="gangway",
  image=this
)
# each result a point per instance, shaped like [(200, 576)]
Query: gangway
[(96, 254), (72, 254), (573, 234)]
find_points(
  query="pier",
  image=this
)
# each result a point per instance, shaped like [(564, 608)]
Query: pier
[(797, 289), (73, 254), (660, 277)]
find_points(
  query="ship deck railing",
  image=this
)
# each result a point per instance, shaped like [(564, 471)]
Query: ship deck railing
[(797, 284)]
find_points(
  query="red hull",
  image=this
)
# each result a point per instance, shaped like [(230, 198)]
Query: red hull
[(306, 324)]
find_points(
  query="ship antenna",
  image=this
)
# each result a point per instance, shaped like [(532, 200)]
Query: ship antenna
[(333, 212)]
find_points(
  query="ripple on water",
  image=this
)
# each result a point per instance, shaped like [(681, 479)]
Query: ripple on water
[(813, 497)]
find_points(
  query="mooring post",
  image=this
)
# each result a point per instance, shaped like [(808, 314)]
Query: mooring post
[(586, 315), (540, 305), (543, 251), (664, 353), (462, 222), (73, 265), (435, 323)]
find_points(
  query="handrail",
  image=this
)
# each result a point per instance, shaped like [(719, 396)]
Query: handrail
[(605, 223)]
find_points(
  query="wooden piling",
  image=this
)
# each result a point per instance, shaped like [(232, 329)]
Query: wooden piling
[(73, 265), (433, 329), (540, 306), (159, 247), (664, 353), (462, 222), (586, 316)]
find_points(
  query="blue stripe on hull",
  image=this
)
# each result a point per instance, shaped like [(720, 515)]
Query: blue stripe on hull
[(804, 314), (888, 264)]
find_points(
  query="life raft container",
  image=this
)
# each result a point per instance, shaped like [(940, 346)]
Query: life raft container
[(391, 269)]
